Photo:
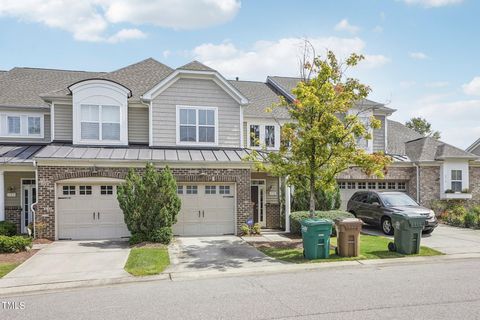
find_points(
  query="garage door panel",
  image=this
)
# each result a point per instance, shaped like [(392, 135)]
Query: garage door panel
[(92, 215), (217, 211)]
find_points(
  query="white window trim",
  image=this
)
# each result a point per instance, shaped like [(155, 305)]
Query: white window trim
[(177, 126), (100, 122), (23, 125), (262, 135)]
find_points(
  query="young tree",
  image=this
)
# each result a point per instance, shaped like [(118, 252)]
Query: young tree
[(150, 204), (422, 126), (321, 139)]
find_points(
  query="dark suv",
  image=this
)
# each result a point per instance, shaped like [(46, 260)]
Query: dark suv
[(376, 208)]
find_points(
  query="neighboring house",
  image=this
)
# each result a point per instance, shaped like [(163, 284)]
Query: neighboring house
[(68, 138)]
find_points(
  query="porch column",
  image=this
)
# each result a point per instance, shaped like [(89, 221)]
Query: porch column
[(287, 207), (2, 196)]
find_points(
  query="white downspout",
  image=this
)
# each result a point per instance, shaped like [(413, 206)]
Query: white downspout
[(287, 206), (36, 198)]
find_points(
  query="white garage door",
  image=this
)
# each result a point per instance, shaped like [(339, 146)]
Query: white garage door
[(348, 188), (89, 211), (207, 209)]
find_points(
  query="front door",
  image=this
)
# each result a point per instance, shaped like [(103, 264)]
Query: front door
[(29, 197), (258, 199)]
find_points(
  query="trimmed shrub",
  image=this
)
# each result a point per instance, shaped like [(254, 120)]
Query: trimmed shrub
[(245, 230), (14, 244), (7, 228), (163, 235), (324, 200), (469, 220), (136, 238), (296, 217)]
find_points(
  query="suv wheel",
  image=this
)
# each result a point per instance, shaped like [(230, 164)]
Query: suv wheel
[(387, 227)]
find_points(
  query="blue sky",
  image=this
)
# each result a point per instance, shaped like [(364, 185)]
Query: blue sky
[(422, 55)]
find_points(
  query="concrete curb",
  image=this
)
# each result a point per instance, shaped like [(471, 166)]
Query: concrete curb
[(207, 274)]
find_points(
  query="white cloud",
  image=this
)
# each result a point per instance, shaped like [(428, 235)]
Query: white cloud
[(473, 87), (418, 55), (279, 57), (166, 53), (437, 84), (377, 29), (407, 84), (344, 25), (126, 34), (433, 3), (91, 20)]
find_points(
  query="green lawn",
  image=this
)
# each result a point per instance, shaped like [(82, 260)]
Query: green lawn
[(371, 247), (147, 261), (6, 268)]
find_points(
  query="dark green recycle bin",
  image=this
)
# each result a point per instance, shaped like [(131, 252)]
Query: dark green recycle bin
[(316, 238), (407, 232)]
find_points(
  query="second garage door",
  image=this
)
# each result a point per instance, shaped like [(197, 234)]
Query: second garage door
[(89, 211), (348, 188), (207, 209)]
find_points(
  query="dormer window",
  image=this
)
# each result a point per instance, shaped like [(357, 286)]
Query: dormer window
[(100, 122), (197, 125), (99, 113), (21, 125)]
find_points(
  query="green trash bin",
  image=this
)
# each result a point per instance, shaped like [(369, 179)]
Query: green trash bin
[(316, 238), (407, 232)]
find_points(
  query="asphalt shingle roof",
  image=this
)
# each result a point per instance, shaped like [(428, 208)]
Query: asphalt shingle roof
[(289, 83), (22, 87), (195, 66), (261, 97), (397, 135)]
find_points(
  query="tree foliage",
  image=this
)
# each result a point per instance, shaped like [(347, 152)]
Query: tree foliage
[(422, 126), (324, 200), (150, 204), (322, 138)]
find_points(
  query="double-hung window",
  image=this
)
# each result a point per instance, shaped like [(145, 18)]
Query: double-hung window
[(197, 125), (100, 122), (22, 125), (267, 136), (456, 180)]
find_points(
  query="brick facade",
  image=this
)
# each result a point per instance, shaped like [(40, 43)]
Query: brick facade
[(14, 214), (48, 175), (273, 216), (429, 185)]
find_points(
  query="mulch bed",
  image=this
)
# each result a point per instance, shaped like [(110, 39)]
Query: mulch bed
[(16, 257)]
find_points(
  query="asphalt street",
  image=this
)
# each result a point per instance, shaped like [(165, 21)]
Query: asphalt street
[(441, 290)]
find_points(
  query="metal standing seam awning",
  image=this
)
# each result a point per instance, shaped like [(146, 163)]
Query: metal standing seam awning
[(18, 154), (132, 153)]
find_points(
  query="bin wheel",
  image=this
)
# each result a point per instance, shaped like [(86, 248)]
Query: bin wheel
[(336, 251), (304, 253), (392, 247)]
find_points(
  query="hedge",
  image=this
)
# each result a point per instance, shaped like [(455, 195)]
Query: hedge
[(7, 228), (14, 244), (296, 217)]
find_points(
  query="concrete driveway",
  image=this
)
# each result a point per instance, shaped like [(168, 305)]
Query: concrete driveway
[(220, 253), (447, 239), (65, 261)]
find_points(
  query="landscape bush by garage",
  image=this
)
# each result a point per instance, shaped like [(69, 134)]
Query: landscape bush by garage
[(461, 216), (14, 244), (150, 204), (7, 228), (324, 200), (296, 217)]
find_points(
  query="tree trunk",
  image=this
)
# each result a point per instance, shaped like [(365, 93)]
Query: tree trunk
[(312, 196)]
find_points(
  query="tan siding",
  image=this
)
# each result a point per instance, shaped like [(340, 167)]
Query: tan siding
[(195, 92), (63, 122), (272, 189), (138, 124), (245, 134), (379, 136), (12, 181)]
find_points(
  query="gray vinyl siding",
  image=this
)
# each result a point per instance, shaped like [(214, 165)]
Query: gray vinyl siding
[(138, 124), (272, 189), (12, 182), (379, 136), (46, 126), (63, 122), (195, 92)]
